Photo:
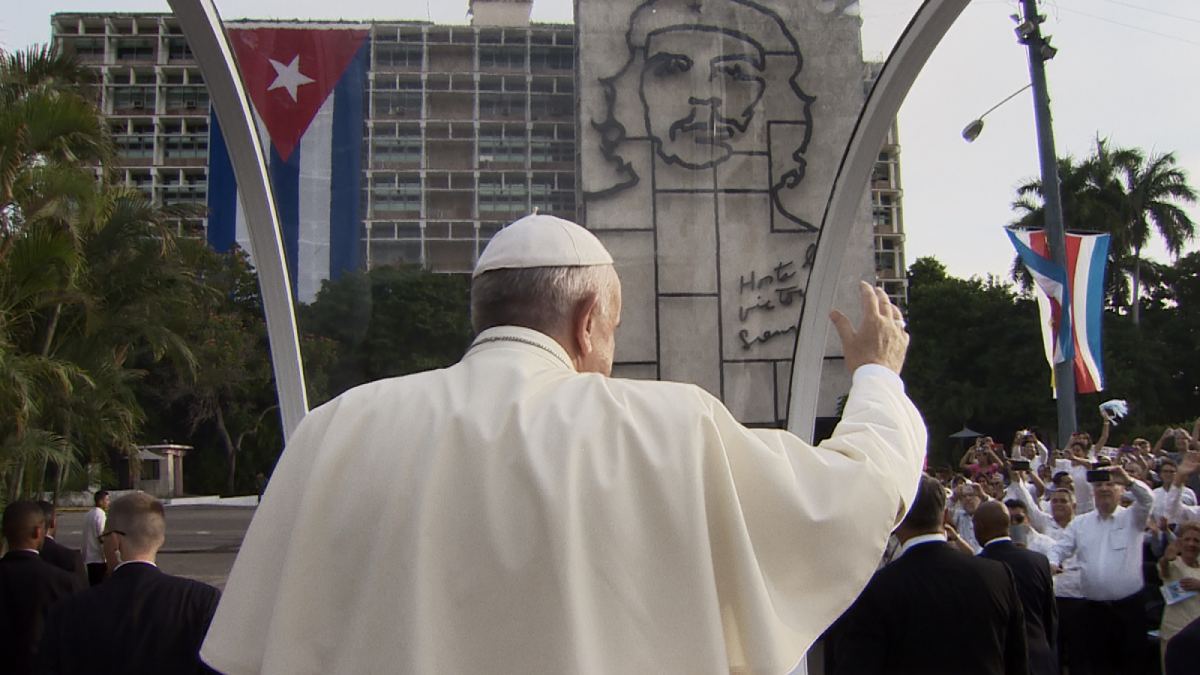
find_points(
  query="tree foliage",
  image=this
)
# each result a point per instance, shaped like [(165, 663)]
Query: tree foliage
[(390, 321)]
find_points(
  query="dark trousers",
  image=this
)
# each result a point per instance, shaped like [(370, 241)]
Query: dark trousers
[(1116, 638), (1072, 634), (96, 573)]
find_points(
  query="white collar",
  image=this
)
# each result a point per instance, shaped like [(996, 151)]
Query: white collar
[(131, 562), (997, 540), (513, 336), (918, 540)]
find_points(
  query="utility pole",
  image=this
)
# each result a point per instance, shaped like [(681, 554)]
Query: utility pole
[(1029, 33)]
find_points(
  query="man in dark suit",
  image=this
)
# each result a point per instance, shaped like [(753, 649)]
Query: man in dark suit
[(28, 586), (62, 557), (934, 609), (1035, 584), (1183, 651), (139, 620)]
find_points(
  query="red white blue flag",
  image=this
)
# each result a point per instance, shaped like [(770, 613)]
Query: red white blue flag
[(1070, 301), (307, 87)]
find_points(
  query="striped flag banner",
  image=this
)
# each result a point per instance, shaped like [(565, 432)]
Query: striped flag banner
[(306, 86), (1070, 301)]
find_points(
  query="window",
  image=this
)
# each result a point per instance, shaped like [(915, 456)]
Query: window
[(135, 50), (133, 98), (89, 49), (187, 98), (190, 146), (543, 58), (401, 149), (502, 57), (178, 50), (396, 193), (399, 55), (497, 197), (134, 146), (501, 105), (397, 103)]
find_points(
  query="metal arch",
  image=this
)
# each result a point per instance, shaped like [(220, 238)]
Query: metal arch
[(912, 50), (206, 37)]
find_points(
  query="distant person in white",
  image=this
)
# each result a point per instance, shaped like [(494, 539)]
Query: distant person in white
[(1107, 544), (523, 512), (93, 525)]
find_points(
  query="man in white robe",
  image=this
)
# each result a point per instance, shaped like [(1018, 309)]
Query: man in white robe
[(533, 515)]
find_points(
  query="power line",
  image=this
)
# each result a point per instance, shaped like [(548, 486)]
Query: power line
[(1129, 26), (1154, 11)]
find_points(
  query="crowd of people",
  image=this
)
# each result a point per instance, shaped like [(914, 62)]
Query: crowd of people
[(119, 616), (1101, 544)]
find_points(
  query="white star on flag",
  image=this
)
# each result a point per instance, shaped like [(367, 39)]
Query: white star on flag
[(289, 77)]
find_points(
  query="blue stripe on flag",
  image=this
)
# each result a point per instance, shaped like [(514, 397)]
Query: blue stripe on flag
[(222, 191), (1047, 269), (1094, 297), (346, 163), (285, 183)]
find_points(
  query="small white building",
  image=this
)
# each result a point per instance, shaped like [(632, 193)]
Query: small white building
[(161, 471)]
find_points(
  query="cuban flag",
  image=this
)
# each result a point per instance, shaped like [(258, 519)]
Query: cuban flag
[(307, 87), (1070, 301)]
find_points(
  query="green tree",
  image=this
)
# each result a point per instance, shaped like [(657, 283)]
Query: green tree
[(89, 281), (976, 357), (1155, 187), (390, 321)]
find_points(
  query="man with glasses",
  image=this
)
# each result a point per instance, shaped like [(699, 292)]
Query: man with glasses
[(140, 620)]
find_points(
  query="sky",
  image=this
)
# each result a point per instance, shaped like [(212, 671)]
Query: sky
[(1126, 70)]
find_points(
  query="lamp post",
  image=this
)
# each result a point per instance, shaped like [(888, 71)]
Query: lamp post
[(972, 130), (1029, 33)]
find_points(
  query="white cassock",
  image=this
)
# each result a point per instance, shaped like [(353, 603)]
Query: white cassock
[(509, 515)]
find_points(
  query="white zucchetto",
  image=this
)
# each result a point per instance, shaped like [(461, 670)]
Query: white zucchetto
[(542, 241)]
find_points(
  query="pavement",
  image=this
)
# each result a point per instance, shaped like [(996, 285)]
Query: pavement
[(202, 539)]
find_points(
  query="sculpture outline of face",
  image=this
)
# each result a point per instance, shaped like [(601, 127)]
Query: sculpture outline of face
[(749, 49), (700, 89)]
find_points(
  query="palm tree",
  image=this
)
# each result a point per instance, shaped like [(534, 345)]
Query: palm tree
[(1118, 191), (90, 284), (1155, 189)]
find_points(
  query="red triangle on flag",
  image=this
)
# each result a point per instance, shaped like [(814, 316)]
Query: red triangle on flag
[(289, 72)]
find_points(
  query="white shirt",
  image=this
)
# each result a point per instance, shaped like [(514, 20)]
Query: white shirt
[(917, 541), (964, 524), (1160, 501), (1083, 489), (510, 515), (1176, 509), (1046, 533), (1109, 550), (93, 527)]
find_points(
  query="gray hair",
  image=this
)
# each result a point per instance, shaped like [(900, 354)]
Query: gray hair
[(540, 298)]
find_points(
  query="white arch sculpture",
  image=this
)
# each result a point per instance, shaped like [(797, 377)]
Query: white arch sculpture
[(206, 37), (201, 25)]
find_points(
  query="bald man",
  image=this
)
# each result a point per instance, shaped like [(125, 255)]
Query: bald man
[(1035, 584), (28, 586)]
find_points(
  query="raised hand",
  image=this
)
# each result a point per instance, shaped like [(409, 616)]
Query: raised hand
[(880, 338)]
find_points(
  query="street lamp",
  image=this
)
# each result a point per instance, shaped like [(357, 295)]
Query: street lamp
[(1029, 33), (972, 130)]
